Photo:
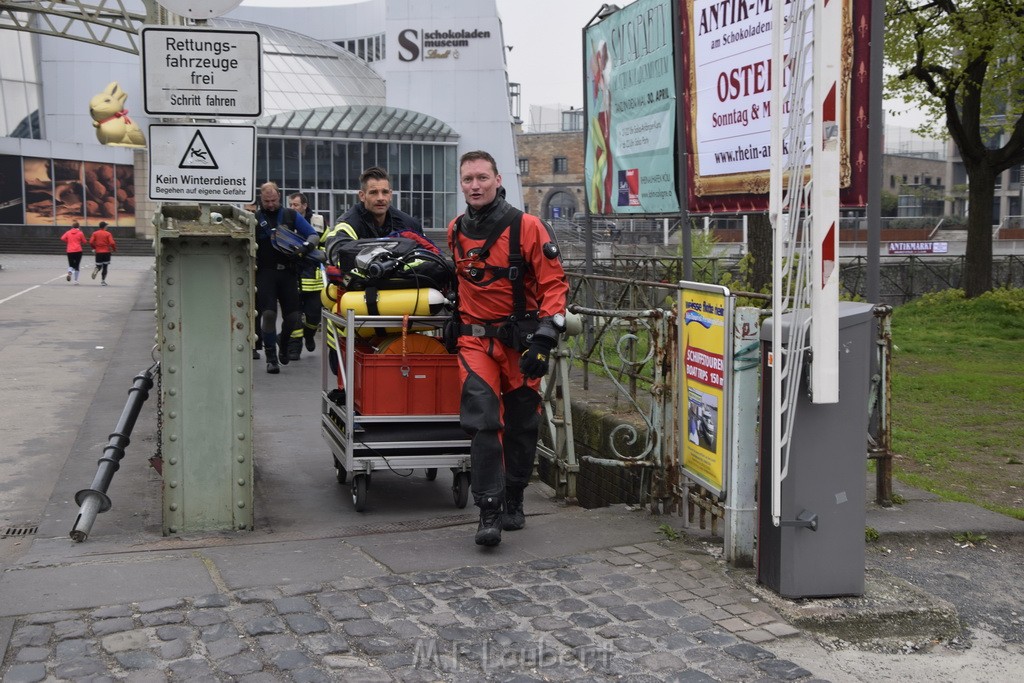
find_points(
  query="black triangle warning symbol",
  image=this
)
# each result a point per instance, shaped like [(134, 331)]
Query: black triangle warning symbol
[(198, 154)]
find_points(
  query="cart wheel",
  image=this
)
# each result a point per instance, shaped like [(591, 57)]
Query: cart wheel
[(460, 489), (359, 492), (431, 473), (340, 472)]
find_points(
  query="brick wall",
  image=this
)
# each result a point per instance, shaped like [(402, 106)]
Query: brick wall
[(540, 149)]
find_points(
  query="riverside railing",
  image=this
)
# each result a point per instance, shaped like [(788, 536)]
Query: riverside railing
[(902, 278)]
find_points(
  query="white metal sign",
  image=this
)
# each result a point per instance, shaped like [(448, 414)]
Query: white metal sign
[(190, 162), (202, 72)]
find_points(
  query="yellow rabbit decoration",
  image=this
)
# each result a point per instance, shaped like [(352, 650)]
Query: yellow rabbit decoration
[(110, 119)]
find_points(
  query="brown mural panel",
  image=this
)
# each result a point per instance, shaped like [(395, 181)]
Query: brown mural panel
[(38, 182), (125, 195), (68, 195), (100, 193)]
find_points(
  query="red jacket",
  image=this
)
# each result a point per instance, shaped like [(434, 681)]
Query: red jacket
[(102, 242), (75, 240), (491, 300)]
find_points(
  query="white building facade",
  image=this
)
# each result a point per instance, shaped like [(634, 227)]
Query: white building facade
[(444, 59), (434, 73)]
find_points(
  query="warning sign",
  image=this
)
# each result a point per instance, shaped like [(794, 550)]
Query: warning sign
[(198, 154), (195, 163)]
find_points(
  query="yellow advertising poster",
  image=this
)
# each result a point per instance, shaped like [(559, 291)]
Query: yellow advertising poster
[(705, 347)]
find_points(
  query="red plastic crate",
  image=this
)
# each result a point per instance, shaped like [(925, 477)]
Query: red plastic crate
[(430, 387)]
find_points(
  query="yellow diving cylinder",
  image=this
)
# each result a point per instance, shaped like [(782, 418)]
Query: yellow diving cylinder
[(329, 296), (424, 301)]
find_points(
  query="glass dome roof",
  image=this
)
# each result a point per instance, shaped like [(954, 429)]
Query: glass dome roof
[(302, 73), (358, 121)]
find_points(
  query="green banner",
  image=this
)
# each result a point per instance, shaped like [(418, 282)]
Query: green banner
[(631, 111)]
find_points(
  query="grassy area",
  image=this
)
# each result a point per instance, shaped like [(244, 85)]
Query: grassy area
[(958, 397)]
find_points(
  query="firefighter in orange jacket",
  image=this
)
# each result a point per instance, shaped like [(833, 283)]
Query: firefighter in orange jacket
[(511, 308)]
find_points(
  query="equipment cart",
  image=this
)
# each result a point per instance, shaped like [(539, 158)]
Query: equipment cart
[(394, 410)]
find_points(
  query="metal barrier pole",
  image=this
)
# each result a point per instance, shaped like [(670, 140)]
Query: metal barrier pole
[(94, 499), (740, 506)]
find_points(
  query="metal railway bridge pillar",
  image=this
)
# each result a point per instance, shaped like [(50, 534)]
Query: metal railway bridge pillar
[(204, 274)]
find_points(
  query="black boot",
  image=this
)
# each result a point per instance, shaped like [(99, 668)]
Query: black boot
[(283, 355), (310, 337), (514, 518), (294, 348), (272, 367), (489, 531)]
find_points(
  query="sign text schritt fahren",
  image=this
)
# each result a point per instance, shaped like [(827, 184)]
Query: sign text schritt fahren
[(184, 60)]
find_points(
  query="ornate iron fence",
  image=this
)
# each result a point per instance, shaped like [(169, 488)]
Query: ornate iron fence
[(629, 348), (629, 341)]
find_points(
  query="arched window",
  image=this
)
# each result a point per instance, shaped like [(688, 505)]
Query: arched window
[(561, 205)]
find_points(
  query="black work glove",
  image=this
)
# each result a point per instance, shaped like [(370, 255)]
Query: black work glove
[(535, 360), (450, 333)]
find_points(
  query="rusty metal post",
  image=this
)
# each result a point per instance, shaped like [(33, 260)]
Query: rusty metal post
[(741, 504), (882, 453), (556, 415)]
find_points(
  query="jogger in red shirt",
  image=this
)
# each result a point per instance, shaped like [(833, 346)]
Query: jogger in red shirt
[(102, 242), (75, 240)]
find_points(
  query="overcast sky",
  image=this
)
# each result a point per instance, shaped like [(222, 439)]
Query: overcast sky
[(546, 56), (545, 39)]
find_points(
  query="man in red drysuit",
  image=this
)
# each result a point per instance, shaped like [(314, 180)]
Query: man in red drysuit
[(511, 308)]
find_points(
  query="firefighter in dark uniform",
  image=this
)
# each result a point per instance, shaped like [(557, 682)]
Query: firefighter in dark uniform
[(511, 308), (277, 276), (311, 284), (373, 216)]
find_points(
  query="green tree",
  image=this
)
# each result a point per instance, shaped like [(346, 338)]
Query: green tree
[(890, 203), (962, 63)]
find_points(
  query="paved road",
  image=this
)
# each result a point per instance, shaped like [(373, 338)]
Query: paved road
[(319, 592), (58, 342), (985, 581)]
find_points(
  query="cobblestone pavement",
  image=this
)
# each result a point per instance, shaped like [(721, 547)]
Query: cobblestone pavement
[(656, 611)]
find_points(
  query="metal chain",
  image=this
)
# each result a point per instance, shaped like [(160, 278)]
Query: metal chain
[(158, 455)]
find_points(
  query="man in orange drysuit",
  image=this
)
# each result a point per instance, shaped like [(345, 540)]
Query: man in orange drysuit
[(511, 309)]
